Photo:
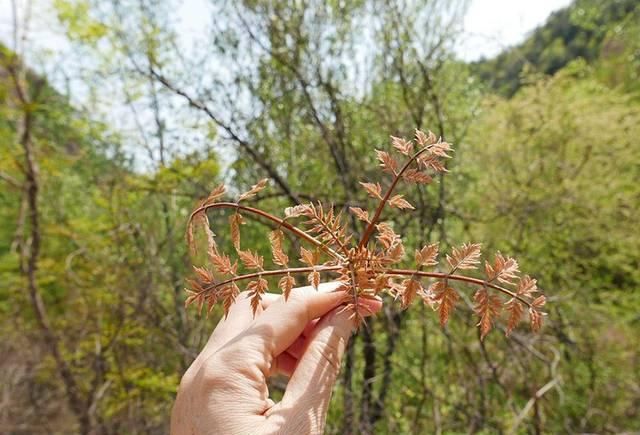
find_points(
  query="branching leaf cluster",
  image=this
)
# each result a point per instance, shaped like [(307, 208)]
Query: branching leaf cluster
[(367, 265)]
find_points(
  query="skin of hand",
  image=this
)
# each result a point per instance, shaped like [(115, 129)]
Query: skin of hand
[(225, 390)]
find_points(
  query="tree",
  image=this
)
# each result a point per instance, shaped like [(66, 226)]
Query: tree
[(93, 250), (555, 168)]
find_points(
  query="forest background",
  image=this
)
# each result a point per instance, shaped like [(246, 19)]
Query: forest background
[(96, 189)]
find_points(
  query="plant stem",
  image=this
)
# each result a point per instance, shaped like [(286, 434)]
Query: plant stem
[(403, 272), (442, 275), (334, 237), (271, 273), (281, 222), (369, 230)]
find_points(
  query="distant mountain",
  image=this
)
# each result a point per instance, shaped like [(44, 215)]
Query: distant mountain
[(577, 31)]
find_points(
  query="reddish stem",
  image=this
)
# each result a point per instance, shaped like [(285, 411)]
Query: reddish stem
[(404, 272), (272, 273), (369, 230), (281, 222), (442, 275), (328, 230)]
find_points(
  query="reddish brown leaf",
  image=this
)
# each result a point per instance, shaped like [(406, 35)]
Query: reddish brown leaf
[(228, 295), (417, 176), (235, 220), (297, 211), (395, 253), (374, 190), (200, 218), (446, 298), (440, 149), (362, 278), (503, 269), (195, 285), (328, 225), (200, 299), (251, 260), (203, 274), (286, 284), (191, 244), (535, 318), (427, 256), (425, 139), (211, 302), (398, 201), (465, 257), (488, 307), (314, 279), (430, 161), (411, 287), (254, 189), (191, 296), (381, 282), (388, 163), (361, 214), (215, 194), (386, 236), (514, 307), (256, 289), (527, 286), (279, 257), (539, 301), (402, 145), (223, 264), (308, 257), (212, 248)]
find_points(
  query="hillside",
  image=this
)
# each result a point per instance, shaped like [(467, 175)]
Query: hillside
[(587, 29)]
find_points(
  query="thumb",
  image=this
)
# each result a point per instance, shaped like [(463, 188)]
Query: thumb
[(309, 389)]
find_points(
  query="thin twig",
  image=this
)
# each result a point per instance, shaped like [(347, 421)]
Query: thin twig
[(281, 222), (549, 385), (270, 273), (367, 233), (442, 275)]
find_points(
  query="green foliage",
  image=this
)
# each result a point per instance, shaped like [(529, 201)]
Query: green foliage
[(78, 21), (553, 178), (560, 160), (111, 250)]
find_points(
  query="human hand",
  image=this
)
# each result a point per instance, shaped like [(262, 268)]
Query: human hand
[(225, 389)]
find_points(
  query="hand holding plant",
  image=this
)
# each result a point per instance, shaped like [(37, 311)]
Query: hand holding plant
[(225, 390)]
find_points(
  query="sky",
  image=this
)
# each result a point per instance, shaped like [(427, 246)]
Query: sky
[(490, 25)]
